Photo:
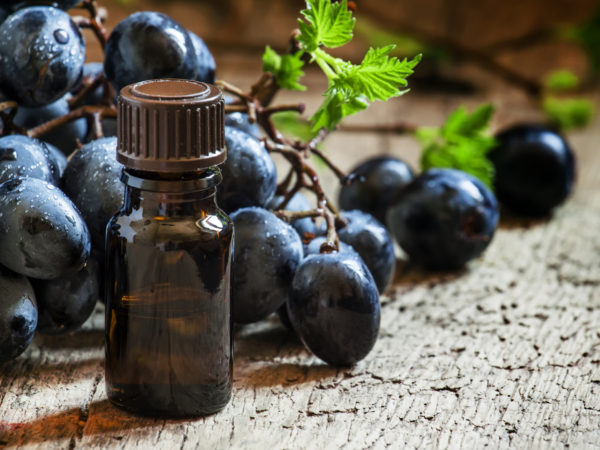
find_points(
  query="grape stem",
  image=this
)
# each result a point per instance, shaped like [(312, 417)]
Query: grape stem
[(291, 216), (95, 22), (8, 110), (95, 125), (325, 208), (256, 104), (88, 85), (96, 111)]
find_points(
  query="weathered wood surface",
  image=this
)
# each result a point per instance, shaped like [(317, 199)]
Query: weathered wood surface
[(503, 354)]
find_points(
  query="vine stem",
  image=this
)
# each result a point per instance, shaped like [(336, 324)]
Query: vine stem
[(256, 104), (325, 208), (95, 22), (8, 105), (8, 110), (88, 85), (98, 112), (291, 216)]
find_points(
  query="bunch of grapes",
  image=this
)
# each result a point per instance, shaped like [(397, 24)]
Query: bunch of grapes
[(319, 268), (52, 211)]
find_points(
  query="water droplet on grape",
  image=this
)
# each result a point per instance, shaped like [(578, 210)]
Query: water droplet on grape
[(61, 36)]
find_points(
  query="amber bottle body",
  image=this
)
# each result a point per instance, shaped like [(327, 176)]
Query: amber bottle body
[(168, 313)]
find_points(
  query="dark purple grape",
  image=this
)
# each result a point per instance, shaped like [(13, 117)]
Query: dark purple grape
[(67, 4), (314, 247), (41, 55), (92, 182), (148, 45), (284, 317), (267, 252), (65, 137), (205, 63), (334, 307), (57, 160), (21, 156), (98, 255), (42, 234), (65, 303), (249, 174), (535, 169), (18, 314), (297, 203), (376, 183), (373, 243), (240, 121), (444, 218), (62, 4)]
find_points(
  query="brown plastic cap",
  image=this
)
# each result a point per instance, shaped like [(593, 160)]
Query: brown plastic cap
[(170, 125)]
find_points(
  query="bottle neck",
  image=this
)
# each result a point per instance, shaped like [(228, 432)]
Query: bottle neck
[(171, 195)]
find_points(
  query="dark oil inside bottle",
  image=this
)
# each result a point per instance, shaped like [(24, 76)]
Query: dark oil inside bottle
[(168, 320)]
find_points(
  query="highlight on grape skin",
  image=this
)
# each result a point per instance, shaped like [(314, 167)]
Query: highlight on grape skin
[(41, 55)]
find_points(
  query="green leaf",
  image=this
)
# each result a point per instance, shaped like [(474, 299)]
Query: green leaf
[(326, 23), (460, 123), (462, 143), (336, 106), (561, 80), (568, 113), (379, 76), (271, 60), (291, 124), (465, 155), (427, 135), (588, 36), (287, 69)]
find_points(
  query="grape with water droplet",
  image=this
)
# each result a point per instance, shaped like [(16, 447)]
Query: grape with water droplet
[(41, 55), (42, 234)]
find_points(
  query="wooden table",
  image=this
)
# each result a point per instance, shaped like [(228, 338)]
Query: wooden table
[(505, 353)]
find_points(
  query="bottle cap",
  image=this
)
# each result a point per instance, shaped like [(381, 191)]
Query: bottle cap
[(170, 125)]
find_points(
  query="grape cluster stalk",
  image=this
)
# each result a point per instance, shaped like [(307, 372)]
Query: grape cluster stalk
[(256, 103), (301, 175)]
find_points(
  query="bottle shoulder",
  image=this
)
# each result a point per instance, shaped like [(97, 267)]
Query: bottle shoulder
[(135, 226)]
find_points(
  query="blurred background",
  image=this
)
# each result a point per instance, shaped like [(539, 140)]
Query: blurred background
[(532, 36), (533, 59)]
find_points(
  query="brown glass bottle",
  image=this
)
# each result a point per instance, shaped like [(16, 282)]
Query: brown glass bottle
[(168, 256)]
